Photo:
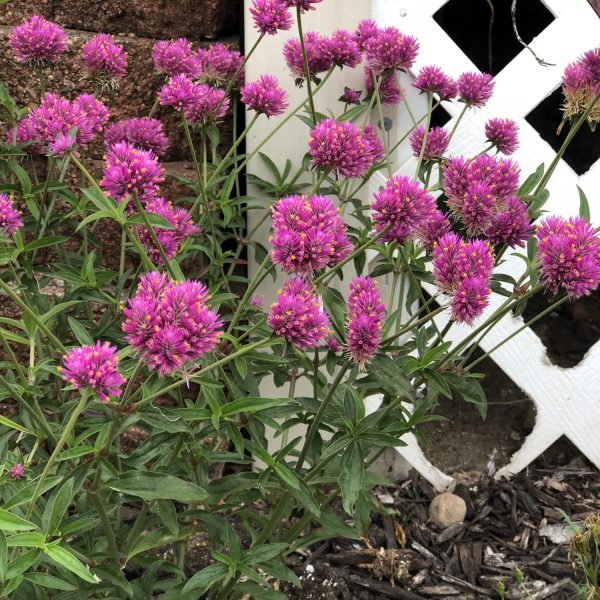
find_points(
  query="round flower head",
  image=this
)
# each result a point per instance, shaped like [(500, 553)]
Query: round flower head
[(389, 49), (402, 205), (569, 255), (24, 135), (333, 345), (175, 57), (17, 471), (317, 54), (308, 234), (55, 116), (365, 30), (470, 300), (371, 135), (145, 133), (170, 239), (265, 96), (350, 96), (104, 59), (511, 226), (209, 106), (341, 147), (180, 93), (169, 322), (389, 92), (433, 80), (94, 367), (435, 146), (475, 89), (303, 5), (270, 16), (342, 49), (219, 65), (430, 230), (365, 319), (298, 315), (95, 111), (477, 209), (10, 217), (503, 133), (590, 61), (580, 86), (257, 301), (129, 170), (62, 145), (37, 41)]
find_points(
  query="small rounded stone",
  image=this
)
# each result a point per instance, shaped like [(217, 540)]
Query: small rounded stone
[(447, 509)]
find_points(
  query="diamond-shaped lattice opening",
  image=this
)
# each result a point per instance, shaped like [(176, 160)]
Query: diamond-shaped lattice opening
[(439, 117), (569, 331), (487, 37), (584, 149), (465, 441)]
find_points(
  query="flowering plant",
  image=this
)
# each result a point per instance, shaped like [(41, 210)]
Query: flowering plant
[(172, 340)]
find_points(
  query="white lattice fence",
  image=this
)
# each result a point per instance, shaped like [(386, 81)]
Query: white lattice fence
[(567, 400)]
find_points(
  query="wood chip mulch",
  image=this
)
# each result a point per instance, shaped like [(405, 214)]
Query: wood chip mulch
[(510, 525)]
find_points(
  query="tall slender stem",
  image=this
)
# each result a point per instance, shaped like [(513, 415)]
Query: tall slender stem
[(311, 100), (426, 132)]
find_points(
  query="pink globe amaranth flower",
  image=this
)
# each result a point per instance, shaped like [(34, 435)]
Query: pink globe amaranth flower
[(512, 226), (298, 315), (130, 170), (350, 96), (265, 96), (62, 145), (210, 106), (24, 135), (308, 234), (96, 112), (389, 92), (430, 230), (366, 313), (341, 147), (470, 299), (55, 116), (104, 58), (303, 5), (478, 207), (333, 345), (10, 217), (580, 86), (37, 40), (219, 65), (503, 133), (391, 50), (145, 133), (569, 255), (95, 367), (270, 16), (433, 80), (170, 323), (590, 61), (257, 301), (170, 239), (317, 54), (342, 49), (435, 146), (365, 30), (403, 204), (175, 57), (371, 134), (180, 92), (17, 471), (475, 89)]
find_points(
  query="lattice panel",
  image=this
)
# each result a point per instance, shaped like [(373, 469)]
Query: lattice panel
[(567, 400)]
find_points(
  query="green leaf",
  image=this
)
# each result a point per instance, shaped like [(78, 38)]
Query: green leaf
[(3, 555), (531, 181), (437, 382), (13, 425), (25, 495), (584, 205), (154, 220), (352, 466), (49, 581), (83, 337), (69, 561), (31, 539), (10, 522), (250, 404), (44, 243), (206, 578), (56, 507), (165, 511), (260, 554), (389, 377), (22, 563), (75, 453), (336, 308), (156, 486), (470, 389), (57, 309)]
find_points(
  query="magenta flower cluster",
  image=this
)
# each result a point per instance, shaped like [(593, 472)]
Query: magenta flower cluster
[(366, 313), (265, 96), (17, 471), (431, 79), (475, 89), (175, 57), (436, 145), (94, 367), (10, 217), (344, 148), (220, 66), (145, 132), (388, 49), (581, 83), (104, 58), (270, 16), (503, 134), (464, 270), (317, 54), (37, 41), (170, 323), (569, 255), (400, 207), (308, 234), (298, 315)]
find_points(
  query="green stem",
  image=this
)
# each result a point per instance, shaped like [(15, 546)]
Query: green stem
[(385, 135), (405, 101), (411, 325), (426, 133), (460, 116), (59, 446), (108, 529), (188, 137), (311, 100)]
